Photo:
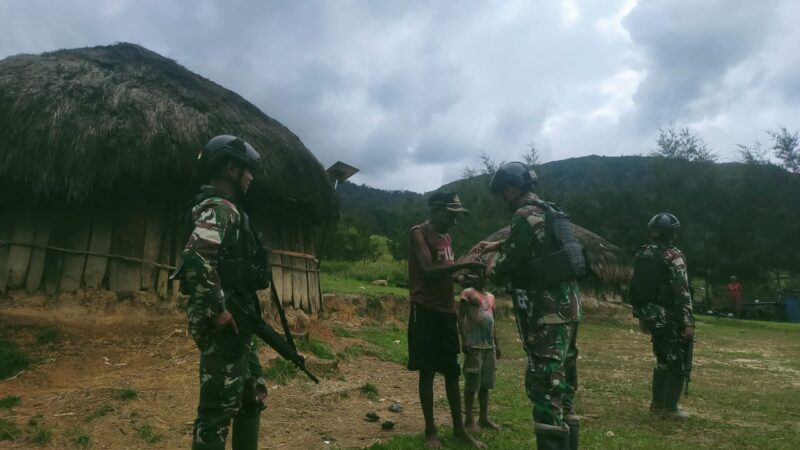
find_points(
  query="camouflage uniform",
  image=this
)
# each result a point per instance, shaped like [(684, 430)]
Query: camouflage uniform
[(230, 373), (666, 323), (553, 316)]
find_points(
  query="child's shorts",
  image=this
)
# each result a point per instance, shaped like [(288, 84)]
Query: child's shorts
[(479, 369)]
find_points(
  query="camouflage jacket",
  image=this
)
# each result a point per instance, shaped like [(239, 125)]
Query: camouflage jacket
[(678, 283), (216, 227), (557, 304)]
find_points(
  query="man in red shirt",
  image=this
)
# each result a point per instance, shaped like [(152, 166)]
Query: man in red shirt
[(735, 295), (433, 344)]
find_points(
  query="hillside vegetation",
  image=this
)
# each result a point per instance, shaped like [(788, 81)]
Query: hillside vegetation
[(741, 219)]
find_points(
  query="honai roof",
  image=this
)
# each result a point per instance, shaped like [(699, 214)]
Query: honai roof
[(96, 123)]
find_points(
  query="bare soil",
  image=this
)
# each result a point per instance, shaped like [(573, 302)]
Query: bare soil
[(103, 350)]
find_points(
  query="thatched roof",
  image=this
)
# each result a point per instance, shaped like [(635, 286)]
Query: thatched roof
[(609, 262), (78, 124)]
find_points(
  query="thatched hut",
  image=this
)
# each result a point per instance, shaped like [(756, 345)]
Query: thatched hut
[(98, 161), (611, 266)]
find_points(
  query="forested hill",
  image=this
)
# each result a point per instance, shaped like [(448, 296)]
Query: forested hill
[(736, 218)]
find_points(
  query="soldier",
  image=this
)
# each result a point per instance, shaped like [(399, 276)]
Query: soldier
[(663, 304), (432, 323), (232, 385), (553, 310)]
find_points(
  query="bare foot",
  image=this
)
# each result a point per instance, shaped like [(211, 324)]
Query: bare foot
[(465, 437), (488, 424), (432, 441), (470, 426)]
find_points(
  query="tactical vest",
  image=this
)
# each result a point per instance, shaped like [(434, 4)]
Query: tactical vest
[(242, 267), (562, 258), (649, 280)]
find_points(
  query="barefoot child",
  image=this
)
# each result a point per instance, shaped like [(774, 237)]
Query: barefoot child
[(479, 344)]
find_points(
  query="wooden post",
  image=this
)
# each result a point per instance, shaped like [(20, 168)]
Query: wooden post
[(100, 242), (154, 230), (6, 230), (165, 253), (127, 240), (77, 238), (298, 274), (287, 295), (38, 256), (19, 256)]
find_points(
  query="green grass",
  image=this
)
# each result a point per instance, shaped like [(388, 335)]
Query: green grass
[(40, 435), (280, 371), (8, 430), (389, 344), (318, 348), (9, 401), (103, 411), (146, 433), (49, 335), (350, 352), (334, 284), (12, 359), (394, 272), (370, 391), (79, 437), (743, 392), (126, 394)]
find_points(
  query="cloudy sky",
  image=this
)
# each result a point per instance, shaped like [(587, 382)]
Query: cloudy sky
[(413, 91)]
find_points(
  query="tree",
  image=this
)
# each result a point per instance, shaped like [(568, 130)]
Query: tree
[(753, 154), (786, 147), (682, 144), (490, 165), (469, 172), (531, 157)]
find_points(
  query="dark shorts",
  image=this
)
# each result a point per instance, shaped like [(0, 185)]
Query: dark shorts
[(480, 365), (432, 340)]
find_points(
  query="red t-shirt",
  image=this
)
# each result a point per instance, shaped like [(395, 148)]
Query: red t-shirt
[(436, 293), (735, 291)]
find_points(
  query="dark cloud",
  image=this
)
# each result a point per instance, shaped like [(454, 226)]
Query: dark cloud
[(410, 92)]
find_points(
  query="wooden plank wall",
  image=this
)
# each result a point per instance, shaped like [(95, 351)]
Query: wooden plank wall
[(135, 230)]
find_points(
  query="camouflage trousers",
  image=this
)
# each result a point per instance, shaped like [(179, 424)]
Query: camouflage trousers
[(668, 346), (227, 392), (552, 377)]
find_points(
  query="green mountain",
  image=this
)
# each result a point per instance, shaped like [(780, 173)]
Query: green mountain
[(736, 218)]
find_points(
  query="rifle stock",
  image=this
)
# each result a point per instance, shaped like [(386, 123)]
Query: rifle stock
[(688, 355), (520, 301)]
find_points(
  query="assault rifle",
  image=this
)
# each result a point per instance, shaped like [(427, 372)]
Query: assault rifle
[(520, 300), (688, 355), (250, 322)]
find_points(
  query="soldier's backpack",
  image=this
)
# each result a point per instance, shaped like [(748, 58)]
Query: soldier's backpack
[(564, 258), (648, 285)]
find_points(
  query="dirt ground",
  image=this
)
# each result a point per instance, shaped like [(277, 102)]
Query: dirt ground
[(102, 352)]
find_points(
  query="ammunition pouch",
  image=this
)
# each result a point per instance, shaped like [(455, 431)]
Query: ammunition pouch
[(562, 258)]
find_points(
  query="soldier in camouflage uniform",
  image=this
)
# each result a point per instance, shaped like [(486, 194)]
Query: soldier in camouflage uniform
[(232, 385), (662, 302), (553, 312)]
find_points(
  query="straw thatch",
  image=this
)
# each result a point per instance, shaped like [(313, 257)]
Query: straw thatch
[(610, 264), (95, 122)]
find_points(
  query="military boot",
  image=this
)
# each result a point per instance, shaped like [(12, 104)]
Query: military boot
[(659, 384), (574, 430), (672, 393), (551, 437), (245, 432)]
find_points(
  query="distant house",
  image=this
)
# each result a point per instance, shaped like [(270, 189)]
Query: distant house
[(98, 161)]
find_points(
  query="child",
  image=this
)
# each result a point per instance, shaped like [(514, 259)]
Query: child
[(479, 344)]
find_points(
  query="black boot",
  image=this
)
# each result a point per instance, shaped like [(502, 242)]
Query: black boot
[(574, 430), (673, 388), (551, 437), (659, 383), (245, 432)]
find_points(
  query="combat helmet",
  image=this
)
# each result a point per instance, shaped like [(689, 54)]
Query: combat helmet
[(513, 174), (663, 226), (225, 147)]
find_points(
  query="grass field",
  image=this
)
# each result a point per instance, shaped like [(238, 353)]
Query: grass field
[(745, 390)]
